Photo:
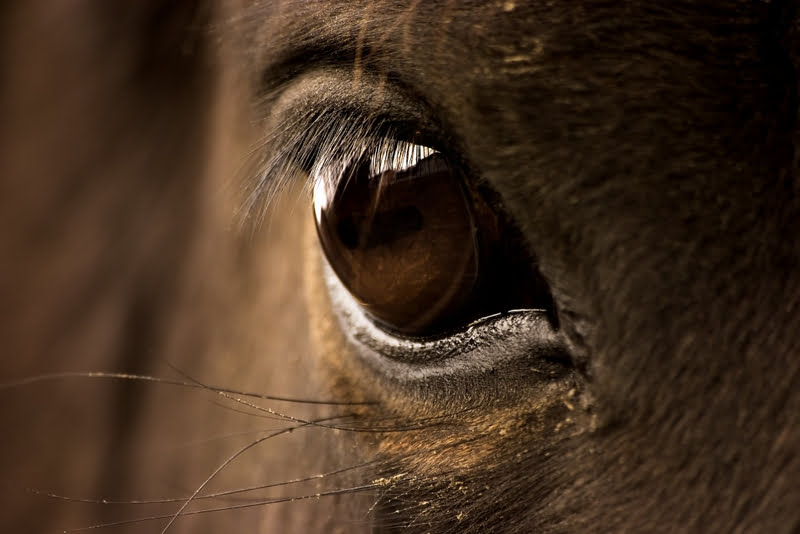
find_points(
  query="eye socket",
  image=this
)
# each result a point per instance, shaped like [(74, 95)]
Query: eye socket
[(421, 249)]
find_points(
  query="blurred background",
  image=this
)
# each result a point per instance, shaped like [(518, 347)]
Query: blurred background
[(122, 129)]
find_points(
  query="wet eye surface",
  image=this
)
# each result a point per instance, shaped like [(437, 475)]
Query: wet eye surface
[(422, 249)]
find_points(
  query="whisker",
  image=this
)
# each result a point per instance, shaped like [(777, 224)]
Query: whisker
[(183, 513), (101, 375), (222, 437), (249, 413), (369, 426), (424, 424), (420, 424), (206, 496), (227, 462)]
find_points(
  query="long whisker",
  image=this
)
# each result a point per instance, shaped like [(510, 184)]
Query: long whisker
[(344, 491), (423, 424), (214, 495), (250, 412), (370, 427), (101, 375)]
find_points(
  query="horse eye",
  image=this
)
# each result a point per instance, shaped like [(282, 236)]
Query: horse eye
[(416, 247)]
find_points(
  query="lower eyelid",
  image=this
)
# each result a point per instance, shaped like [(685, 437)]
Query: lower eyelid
[(525, 337)]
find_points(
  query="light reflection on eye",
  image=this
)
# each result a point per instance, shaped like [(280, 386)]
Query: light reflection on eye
[(388, 155)]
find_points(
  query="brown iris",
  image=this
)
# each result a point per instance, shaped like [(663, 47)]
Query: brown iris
[(420, 250), (403, 243)]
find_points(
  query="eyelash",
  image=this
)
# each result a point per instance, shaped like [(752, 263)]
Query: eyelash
[(318, 146)]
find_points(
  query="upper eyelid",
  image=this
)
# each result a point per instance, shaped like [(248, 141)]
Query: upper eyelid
[(370, 99), (323, 115)]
